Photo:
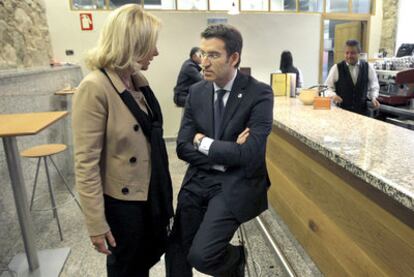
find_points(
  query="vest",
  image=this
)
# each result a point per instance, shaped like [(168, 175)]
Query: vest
[(354, 96)]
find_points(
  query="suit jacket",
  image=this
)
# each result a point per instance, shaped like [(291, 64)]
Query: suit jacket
[(112, 155), (245, 182), (189, 75)]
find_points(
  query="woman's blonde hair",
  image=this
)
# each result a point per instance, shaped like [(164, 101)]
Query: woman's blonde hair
[(128, 35)]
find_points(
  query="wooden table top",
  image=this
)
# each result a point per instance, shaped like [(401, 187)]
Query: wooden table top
[(27, 123)]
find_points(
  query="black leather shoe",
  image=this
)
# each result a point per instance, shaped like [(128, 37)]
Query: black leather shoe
[(238, 270)]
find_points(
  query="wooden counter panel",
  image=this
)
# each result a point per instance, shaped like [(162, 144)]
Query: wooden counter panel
[(342, 229)]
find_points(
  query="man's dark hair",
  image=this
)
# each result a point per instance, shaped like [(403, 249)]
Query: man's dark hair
[(353, 43), (231, 36), (193, 51)]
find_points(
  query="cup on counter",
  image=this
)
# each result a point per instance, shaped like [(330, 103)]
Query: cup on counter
[(307, 96)]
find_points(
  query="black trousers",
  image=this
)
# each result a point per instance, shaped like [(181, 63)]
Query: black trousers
[(128, 221), (203, 228)]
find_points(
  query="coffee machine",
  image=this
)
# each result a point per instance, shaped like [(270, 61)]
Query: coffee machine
[(396, 86)]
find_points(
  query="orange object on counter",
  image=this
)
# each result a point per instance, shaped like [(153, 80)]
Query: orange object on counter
[(322, 103)]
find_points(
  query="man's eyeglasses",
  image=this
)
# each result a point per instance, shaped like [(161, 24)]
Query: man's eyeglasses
[(210, 56)]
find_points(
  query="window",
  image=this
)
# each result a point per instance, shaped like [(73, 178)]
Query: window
[(118, 3), (361, 6), (222, 5), (192, 5), (88, 4), (254, 5), (311, 5), (283, 5), (159, 4), (337, 6), (317, 6)]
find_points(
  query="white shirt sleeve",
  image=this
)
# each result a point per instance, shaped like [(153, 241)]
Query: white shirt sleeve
[(205, 144), (331, 80), (300, 84), (218, 167), (373, 85), (204, 148)]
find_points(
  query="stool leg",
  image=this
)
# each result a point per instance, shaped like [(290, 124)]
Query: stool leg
[(35, 183), (52, 197), (66, 184)]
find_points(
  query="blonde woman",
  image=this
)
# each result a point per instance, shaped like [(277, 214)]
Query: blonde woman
[(121, 161)]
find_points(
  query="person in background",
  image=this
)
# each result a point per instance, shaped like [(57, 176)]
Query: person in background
[(286, 66), (189, 75), (121, 163), (353, 81), (222, 137)]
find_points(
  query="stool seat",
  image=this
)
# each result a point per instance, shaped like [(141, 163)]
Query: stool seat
[(43, 150)]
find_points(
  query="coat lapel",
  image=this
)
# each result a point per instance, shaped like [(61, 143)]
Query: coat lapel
[(236, 96), (115, 80), (208, 108)]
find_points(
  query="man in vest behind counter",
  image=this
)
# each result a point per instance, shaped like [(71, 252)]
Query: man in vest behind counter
[(353, 81)]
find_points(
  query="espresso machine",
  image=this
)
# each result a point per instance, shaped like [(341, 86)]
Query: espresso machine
[(396, 86)]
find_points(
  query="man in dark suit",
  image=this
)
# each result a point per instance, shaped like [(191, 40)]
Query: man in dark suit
[(227, 119), (189, 75)]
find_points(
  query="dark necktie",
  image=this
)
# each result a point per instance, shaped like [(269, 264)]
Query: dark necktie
[(218, 112)]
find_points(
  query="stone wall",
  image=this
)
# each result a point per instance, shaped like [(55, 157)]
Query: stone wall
[(24, 34), (389, 26)]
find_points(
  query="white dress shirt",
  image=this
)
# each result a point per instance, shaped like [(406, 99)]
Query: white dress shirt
[(206, 142), (373, 85)]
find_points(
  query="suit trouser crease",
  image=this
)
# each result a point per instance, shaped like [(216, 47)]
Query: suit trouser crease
[(202, 231)]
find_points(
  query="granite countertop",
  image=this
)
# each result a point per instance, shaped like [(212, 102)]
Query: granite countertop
[(379, 153)]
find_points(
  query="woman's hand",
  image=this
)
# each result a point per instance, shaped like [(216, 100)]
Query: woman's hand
[(99, 242)]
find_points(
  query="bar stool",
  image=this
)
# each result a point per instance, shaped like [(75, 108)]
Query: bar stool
[(43, 152)]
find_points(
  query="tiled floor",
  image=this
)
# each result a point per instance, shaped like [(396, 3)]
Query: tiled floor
[(84, 261)]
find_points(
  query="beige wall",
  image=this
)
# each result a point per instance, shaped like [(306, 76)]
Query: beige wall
[(265, 36), (375, 30), (405, 23)]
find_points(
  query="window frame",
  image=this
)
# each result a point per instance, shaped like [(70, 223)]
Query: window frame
[(269, 10)]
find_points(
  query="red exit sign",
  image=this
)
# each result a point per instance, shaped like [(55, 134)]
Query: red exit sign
[(86, 21)]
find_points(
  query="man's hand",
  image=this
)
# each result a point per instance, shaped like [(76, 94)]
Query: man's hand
[(375, 103), (197, 138), (337, 99), (100, 244), (243, 136)]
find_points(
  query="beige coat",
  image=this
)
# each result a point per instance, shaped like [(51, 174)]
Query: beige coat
[(112, 155)]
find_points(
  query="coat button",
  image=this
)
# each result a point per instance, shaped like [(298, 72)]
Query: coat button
[(136, 127), (125, 190), (133, 160)]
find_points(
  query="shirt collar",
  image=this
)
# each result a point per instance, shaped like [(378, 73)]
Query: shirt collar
[(357, 64), (228, 86)]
